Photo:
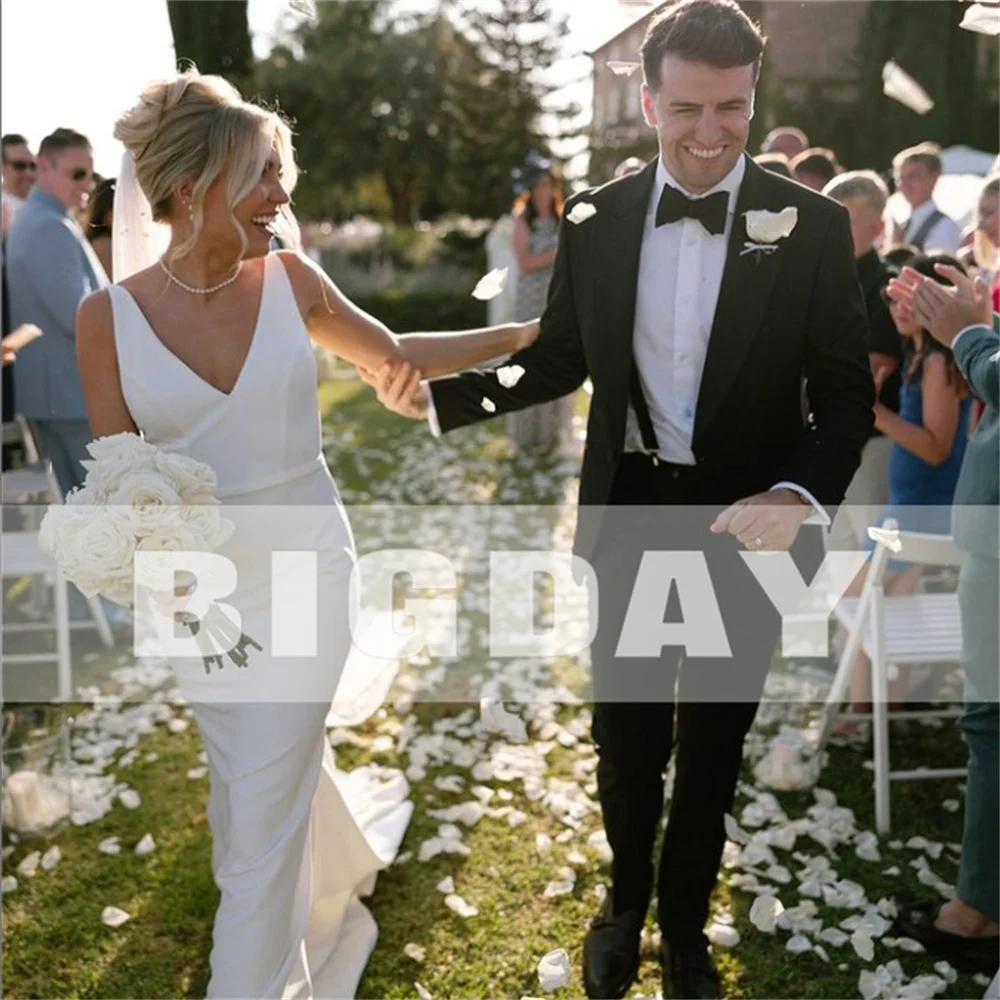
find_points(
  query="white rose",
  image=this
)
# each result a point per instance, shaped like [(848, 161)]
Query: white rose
[(165, 544), (207, 523), (119, 447), (186, 475), (150, 501), (769, 227), (100, 550)]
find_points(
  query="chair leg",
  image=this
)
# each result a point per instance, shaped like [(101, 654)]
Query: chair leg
[(64, 662), (101, 622), (842, 679), (880, 714)]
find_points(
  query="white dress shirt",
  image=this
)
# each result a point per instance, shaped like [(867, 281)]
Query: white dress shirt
[(680, 274), (944, 235)]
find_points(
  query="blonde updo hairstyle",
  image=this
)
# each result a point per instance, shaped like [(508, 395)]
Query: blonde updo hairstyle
[(189, 128)]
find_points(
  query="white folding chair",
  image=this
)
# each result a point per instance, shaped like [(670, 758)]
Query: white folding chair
[(21, 556), (920, 628), (33, 488)]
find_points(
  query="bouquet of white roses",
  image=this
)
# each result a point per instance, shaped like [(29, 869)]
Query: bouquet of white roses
[(137, 498)]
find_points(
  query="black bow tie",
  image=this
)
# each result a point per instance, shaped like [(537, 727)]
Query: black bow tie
[(710, 212)]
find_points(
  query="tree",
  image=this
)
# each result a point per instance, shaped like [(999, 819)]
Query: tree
[(438, 108), (956, 67), (215, 36)]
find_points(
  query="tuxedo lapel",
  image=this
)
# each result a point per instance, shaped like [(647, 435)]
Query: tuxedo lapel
[(617, 245), (747, 283)]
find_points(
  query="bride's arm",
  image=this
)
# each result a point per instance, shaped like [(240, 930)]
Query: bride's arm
[(335, 323)]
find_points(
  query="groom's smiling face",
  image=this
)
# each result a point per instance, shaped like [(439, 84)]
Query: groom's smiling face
[(702, 118)]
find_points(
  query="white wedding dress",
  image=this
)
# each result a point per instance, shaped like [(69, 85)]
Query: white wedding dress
[(296, 842)]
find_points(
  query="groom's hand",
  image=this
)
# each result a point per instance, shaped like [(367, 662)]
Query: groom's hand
[(766, 522), (399, 389)]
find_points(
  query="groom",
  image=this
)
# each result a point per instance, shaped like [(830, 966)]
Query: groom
[(697, 326)]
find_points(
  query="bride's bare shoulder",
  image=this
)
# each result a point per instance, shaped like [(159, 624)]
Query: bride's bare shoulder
[(303, 274)]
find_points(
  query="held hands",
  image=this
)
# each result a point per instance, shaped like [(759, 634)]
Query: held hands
[(944, 311), (399, 390), (765, 522)]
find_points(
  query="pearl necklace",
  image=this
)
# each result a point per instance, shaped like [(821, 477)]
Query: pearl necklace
[(202, 291)]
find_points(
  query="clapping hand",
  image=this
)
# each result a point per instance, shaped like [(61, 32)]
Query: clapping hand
[(943, 311), (399, 389)]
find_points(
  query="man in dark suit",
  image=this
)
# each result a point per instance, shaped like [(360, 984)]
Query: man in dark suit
[(697, 295)]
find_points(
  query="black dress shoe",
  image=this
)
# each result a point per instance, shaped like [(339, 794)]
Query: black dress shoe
[(611, 952), (688, 972), (915, 919)]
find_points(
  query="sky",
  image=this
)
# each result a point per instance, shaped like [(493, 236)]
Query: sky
[(64, 63)]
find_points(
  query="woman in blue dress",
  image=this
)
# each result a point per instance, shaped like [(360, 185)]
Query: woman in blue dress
[(929, 435)]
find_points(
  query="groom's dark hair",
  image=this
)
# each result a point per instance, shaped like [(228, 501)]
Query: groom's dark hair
[(716, 32)]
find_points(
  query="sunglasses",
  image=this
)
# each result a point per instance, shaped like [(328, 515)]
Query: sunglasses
[(21, 165)]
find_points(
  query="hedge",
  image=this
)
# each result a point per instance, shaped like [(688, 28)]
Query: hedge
[(412, 312)]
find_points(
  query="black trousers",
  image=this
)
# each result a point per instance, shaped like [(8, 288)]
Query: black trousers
[(665, 701)]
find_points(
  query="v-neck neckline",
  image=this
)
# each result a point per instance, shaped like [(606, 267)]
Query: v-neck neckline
[(199, 378)]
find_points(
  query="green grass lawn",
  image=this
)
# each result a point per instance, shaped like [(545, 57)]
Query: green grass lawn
[(54, 944)]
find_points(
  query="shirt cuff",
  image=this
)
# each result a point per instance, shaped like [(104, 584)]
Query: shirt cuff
[(819, 515), (432, 417)]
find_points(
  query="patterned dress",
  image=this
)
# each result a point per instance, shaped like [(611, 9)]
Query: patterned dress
[(542, 428)]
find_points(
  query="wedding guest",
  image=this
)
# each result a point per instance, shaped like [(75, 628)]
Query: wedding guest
[(896, 255), (19, 169), (786, 140), (916, 172), (929, 436), (51, 269), (864, 194), (777, 163), (815, 167), (965, 930), (986, 239), (537, 211), (99, 222)]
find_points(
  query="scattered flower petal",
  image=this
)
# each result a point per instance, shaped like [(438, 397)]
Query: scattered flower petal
[(490, 285), (114, 917), (9, 884), (130, 798), (982, 18), (51, 858), (723, 935), (554, 970), (415, 951), (29, 864), (458, 905), (764, 913), (446, 885), (509, 375), (145, 846), (488, 405)]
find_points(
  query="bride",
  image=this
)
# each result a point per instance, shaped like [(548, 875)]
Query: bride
[(205, 350)]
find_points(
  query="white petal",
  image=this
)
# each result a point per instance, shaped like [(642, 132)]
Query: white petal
[(9, 884), (109, 845), (581, 211), (415, 951), (509, 375), (733, 831), (178, 725), (543, 843), (29, 864), (488, 405), (983, 19), (861, 942), (197, 773), (490, 285), (554, 970), (620, 68), (113, 917), (458, 905), (798, 944), (950, 805), (900, 86), (423, 992), (446, 885), (145, 846), (764, 913), (562, 886), (129, 798), (723, 935), (51, 858)]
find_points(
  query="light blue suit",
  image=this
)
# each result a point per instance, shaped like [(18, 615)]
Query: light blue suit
[(50, 269), (975, 522)]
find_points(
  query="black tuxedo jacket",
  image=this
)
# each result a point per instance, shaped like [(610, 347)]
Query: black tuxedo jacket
[(796, 313)]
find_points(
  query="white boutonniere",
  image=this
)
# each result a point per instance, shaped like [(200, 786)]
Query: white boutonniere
[(764, 229)]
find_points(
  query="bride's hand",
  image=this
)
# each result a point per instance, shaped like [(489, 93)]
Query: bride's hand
[(173, 604), (399, 390)]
